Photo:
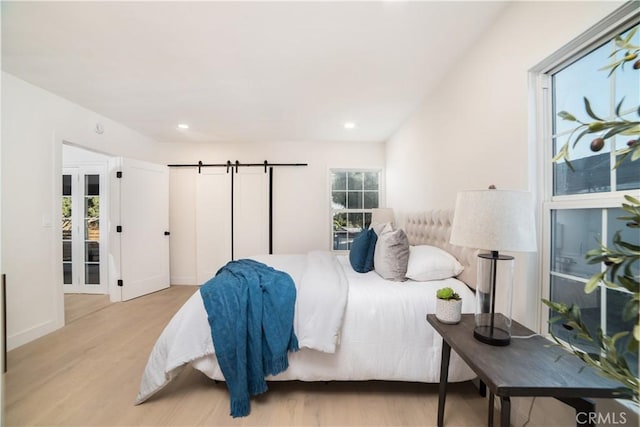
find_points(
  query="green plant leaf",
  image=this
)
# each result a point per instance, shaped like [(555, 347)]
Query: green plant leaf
[(630, 310), (619, 107), (567, 116), (593, 283), (587, 107), (580, 135)]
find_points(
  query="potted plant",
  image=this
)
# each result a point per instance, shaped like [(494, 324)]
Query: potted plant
[(448, 306)]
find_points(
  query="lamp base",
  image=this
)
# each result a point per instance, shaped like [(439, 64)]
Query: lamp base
[(492, 336)]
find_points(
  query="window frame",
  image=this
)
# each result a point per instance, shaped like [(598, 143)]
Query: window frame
[(541, 133), (332, 211)]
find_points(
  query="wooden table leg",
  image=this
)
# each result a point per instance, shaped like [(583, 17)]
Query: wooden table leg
[(505, 411), (482, 388), (490, 409), (444, 378), (584, 408)]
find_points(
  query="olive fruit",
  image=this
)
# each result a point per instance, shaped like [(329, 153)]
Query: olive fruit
[(597, 144)]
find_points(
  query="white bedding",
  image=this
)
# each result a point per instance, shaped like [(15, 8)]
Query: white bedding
[(384, 334)]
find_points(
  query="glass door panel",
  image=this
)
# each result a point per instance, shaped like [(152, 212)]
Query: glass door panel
[(67, 230), (81, 233), (92, 229)]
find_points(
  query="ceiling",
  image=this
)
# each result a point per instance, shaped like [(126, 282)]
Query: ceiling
[(243, 71)]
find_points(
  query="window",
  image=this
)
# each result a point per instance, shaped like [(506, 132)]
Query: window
[(354, 193), (582, 206)]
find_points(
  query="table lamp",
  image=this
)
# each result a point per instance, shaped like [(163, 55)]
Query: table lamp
[(494, 220)]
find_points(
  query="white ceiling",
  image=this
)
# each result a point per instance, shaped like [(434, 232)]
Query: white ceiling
[(243, 71)]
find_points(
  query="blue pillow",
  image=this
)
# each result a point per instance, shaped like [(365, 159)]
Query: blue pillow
[(362, 250)]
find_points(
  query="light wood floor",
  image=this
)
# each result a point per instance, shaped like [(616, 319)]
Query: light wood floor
[(88, 373), (76, 306)]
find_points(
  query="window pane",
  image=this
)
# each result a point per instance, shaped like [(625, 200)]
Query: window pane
[(627, 81), (628, 172), (339, 221), (629, 235), (67, 273), (66, 218), (616, 300), (370, 199), (591, 171), (66, 251), (628, 175), (578, 80), (367, 219), (355, 181), (92, 229), (92, 207), (66, 207), (354, 200), (340, 242), (339, 200), (338, 180), (571, 292), (92, 274), (371, 181), (92, 185), (574, 232), (355, 222), (92, 251), (66, 185)]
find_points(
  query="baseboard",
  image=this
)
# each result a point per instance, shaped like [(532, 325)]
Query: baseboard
[(184, 280), (31, 334)]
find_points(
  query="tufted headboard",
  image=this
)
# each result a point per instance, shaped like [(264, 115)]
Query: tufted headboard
[(434, 228)]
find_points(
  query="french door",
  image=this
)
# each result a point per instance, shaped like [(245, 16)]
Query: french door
[(83, 239)]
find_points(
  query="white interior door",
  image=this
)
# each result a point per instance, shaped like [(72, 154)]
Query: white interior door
[(144, 218), (213, 222), (250, 213)]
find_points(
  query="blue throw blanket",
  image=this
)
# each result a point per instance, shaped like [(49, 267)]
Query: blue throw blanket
[(250, 307)]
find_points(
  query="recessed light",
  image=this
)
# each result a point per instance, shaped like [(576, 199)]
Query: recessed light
[(349, 125), (183, 126)]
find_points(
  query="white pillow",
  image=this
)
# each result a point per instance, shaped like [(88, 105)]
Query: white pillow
[(431, 263)]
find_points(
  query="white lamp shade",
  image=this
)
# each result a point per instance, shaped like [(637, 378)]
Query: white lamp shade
[(382, 215), (495, 220)]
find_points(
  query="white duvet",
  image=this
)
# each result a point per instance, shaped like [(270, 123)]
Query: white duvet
[(350, 326)]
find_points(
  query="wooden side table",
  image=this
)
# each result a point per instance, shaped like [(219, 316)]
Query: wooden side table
[(526, 367)]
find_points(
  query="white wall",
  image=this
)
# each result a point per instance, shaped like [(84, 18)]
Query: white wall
[(301, 194), (34, 125)]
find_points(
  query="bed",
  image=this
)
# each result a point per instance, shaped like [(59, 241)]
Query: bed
[(381, 332)]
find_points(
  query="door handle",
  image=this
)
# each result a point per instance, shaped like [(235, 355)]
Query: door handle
[(166, 233)]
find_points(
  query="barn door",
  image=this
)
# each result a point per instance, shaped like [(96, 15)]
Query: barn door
[(144, 233), (250, 213), (213, 219), (227, 230)]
